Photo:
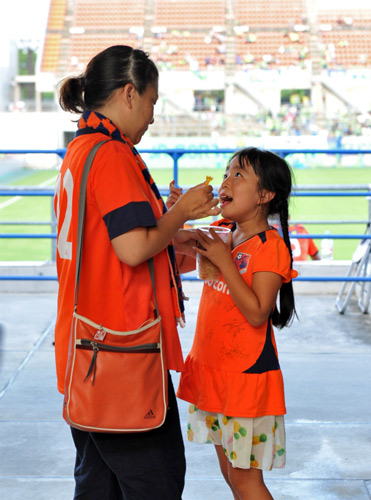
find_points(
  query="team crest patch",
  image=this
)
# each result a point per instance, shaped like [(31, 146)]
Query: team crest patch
[(242, 261)]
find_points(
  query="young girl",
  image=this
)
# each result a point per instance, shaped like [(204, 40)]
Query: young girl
[(232, 375)]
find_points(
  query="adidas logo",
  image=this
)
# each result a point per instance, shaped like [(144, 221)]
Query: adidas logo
[(150, 414)]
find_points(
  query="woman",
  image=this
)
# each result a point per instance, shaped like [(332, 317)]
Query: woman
[(126, 223)]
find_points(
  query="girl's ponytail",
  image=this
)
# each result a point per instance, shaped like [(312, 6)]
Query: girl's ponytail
[(286, 312)]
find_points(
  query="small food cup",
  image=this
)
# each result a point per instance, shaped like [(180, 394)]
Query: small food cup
[(206, 270)]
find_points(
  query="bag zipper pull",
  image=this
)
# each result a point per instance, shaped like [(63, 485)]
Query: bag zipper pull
[(100, 334), (93, 363)]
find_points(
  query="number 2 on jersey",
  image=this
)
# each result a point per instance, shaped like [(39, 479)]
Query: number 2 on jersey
[(64, 246)]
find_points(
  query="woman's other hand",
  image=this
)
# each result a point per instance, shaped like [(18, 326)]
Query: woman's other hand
[(175, 194), (185, 241)]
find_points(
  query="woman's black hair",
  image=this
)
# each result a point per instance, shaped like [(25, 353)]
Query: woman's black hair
[(274, 175), (109, 70)]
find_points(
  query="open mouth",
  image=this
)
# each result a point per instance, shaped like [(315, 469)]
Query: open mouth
[(224, 200)]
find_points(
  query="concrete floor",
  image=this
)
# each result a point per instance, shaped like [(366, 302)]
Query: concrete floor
[(326, 362)]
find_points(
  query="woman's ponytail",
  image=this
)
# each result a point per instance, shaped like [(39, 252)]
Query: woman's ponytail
[(71, 94)]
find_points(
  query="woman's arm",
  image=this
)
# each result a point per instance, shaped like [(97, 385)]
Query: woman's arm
[(186, 263), (139, 244)]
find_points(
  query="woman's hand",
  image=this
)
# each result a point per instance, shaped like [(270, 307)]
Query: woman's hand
[(197, 202)]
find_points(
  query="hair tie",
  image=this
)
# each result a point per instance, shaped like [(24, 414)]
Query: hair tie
[(293, 274)]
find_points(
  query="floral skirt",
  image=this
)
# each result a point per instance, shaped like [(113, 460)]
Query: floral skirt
[(247, 442)]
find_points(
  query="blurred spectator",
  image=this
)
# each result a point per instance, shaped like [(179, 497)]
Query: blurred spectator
[(302, 248)]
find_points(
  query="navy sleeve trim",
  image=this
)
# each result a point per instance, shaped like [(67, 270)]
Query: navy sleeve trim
[(124, 219)]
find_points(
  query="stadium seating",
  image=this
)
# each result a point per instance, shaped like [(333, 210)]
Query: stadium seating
[(52, 48), (347, 18), (98, 14), (189, 14), (347, 48), (267, 13), (191, 34), (57, 14)]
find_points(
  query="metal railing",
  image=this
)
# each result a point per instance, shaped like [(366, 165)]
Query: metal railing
[(354, 190)]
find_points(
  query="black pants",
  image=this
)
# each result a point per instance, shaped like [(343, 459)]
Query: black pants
[(137, 466)]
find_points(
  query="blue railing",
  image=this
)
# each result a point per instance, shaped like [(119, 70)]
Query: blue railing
[(176, 154)]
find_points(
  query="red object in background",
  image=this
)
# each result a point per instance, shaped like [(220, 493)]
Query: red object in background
[(302, 248)]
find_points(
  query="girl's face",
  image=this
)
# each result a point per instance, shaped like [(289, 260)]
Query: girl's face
[(239, 194)]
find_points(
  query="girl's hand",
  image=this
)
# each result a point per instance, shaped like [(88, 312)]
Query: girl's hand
[(175, 194), (214, 248)]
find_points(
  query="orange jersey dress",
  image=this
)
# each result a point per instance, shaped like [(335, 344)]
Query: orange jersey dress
[(119, 198), (233, 367)]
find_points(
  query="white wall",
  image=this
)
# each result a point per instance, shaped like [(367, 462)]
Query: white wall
[(33, 130)]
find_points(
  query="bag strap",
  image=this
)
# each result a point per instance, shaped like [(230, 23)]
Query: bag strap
[(80, 226), (152, 273), (81, 214)]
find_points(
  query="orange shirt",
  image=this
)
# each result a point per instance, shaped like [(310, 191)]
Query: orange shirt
[(112, 293), (233, 367)]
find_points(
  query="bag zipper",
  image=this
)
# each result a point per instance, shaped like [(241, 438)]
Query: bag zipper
[(153, 347), (87, 343)]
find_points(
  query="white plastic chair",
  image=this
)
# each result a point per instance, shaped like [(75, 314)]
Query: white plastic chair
[(360, 267)]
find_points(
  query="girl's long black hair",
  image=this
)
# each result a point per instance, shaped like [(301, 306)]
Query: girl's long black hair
[(275, 175)]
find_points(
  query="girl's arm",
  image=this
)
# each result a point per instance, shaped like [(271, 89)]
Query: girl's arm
[(255, 303)]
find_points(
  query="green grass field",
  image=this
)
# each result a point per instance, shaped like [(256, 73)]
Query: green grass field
[(36, 209)]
